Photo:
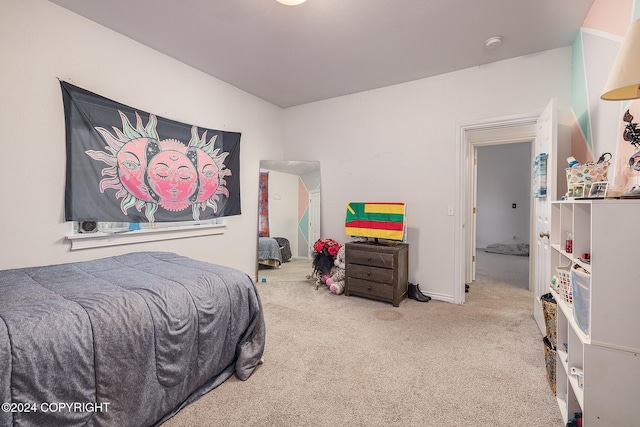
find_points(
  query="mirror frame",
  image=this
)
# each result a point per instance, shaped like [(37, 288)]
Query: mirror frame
[(308, 177)]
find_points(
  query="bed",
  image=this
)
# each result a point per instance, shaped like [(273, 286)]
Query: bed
[(269, 252), (125, 341)]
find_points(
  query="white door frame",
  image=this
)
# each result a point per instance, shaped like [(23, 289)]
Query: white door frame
[(470, 135)]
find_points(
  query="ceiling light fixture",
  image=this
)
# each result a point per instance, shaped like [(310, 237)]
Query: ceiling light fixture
[(624, 78), (493, 42), (291, 2)]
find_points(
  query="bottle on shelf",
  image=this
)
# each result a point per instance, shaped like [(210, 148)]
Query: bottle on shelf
[(571, 162), (568, 245)]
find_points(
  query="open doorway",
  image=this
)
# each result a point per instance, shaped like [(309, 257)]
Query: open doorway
[(503, 213), (543, 131), (502, 130)]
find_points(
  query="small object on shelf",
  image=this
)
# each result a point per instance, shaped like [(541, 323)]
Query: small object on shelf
[(578, 418), (564, 280), (575, 421), (634, 193), (579, 374), (568, 246), (571, 162)]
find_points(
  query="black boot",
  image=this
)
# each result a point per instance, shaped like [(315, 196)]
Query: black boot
[(415, 294), (420, 292)]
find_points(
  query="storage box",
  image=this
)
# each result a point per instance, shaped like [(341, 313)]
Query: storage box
[(581, 287)]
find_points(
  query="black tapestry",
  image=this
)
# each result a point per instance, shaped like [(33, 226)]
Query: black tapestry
[(127, 165)]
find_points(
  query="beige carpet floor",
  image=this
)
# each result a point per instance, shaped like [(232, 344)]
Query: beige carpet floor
[(348, 361), (295, 270)]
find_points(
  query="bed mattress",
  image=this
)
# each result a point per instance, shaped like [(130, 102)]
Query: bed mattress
[(128, 340)]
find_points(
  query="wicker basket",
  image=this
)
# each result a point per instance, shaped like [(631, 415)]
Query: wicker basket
[(549, 309), (564, 283), (550, 362)]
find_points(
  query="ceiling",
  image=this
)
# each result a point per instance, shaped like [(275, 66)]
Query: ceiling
[(292, 55)]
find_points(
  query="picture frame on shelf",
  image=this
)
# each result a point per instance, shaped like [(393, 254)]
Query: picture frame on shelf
[(576, 190), (598, 190)]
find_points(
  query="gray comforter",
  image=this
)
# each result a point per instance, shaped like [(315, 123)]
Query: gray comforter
[(519, 249), (269, 249), (122, 341)]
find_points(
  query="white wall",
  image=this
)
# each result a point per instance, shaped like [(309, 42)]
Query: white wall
[(400, 144), (40, 42), (504, 178)]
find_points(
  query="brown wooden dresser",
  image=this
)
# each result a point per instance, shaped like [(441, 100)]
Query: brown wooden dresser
[(377, 270)]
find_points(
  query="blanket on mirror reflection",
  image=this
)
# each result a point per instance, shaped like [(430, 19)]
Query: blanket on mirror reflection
[(145, 333)]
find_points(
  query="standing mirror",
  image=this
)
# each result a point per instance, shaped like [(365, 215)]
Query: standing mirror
[(288, 218)]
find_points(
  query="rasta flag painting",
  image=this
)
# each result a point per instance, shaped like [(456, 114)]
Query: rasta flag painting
[(376, 220), (127, 165)]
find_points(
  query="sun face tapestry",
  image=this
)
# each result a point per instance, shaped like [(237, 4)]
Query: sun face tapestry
[(157, 170)]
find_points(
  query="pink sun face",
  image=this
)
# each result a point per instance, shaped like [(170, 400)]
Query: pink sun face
[(208, 174), (132, 165), (173, 177), (147, 172)]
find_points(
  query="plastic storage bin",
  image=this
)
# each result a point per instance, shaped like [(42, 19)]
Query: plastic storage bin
[(581, 287)]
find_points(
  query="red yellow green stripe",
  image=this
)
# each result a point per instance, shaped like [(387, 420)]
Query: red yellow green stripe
[(379, 219)]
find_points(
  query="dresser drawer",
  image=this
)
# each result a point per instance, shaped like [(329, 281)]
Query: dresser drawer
[(378, 271), (378, 259), (371, 289), (366, 272)]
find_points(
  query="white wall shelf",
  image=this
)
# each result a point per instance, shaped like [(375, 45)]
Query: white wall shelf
[(608, 352), (101, 239)]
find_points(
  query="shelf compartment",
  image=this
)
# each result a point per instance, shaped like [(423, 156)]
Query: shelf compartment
[(578, 392), (581, 229)]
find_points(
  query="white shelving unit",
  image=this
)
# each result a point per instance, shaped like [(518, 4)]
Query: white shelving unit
[(609, 351)]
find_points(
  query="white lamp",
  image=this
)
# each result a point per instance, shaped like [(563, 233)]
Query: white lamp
[(624, 78), (291, 2)]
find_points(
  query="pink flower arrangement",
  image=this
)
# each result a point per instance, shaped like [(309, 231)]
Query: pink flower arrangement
[(327, 247)]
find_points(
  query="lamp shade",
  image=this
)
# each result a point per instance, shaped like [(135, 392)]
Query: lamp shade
[(624, 78)]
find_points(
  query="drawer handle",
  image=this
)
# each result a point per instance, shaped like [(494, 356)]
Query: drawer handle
[(369, 259), (368, 273), (368, 288)]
